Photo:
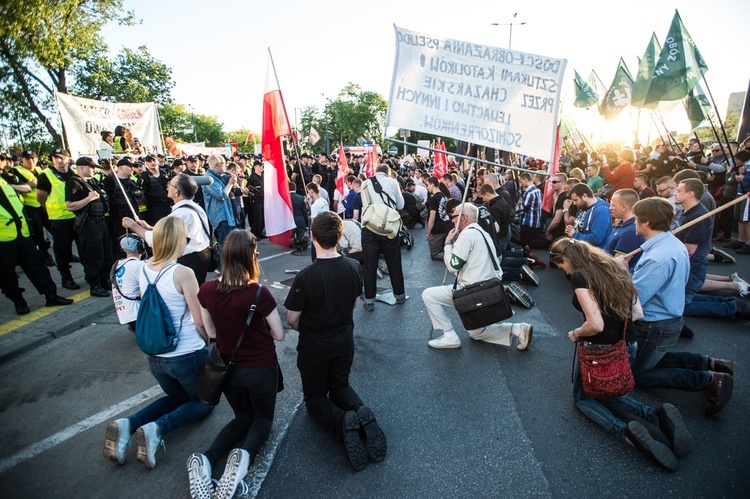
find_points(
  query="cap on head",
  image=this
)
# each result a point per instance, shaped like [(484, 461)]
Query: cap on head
[(86, 161), (61, 153)]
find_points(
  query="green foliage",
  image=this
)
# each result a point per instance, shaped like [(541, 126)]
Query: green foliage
[(134, 76), (183, 125), (240, 136), (353, 114)]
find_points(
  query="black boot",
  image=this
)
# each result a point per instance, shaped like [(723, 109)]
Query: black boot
[(55, 300)]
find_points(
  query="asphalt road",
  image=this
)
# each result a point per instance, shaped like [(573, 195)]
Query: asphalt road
[(479, 421)]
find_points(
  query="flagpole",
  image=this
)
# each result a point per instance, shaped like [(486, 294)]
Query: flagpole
[(673, 141), (286, 115), (729, 157)]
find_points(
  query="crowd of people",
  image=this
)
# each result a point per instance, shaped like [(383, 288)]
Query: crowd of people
[(143, 220)]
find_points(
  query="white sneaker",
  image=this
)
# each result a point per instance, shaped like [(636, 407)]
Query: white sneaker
[(743, 284), (199, 473), (235, 470), (117, 440), (445, 342), (519, 295), (529, 276), (148, 440), (524, 335)]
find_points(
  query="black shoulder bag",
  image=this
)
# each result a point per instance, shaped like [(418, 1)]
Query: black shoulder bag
[(215, 373), (482, 303), (213, 244)]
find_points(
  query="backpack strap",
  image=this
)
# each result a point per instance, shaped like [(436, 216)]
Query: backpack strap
[(388, 200), (205, 229), (247, 323), (113, 279)]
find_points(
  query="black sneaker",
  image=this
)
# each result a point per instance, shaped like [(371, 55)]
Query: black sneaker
[(733, 245), (69, 283), (673, 427), (641, 439), (98, 291), (375, 441), (22, 308), (519, 295), (722, 256), (355, 447), (55, 300)]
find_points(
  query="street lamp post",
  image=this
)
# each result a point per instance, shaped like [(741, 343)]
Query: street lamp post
[(510, 24)]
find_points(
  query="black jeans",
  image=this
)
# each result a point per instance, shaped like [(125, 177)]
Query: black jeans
[(325, 386), (22, 251), (372, 246), (251, 392)]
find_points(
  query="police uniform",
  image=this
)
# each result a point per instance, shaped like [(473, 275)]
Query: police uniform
[(155, 196), (62, 221), (17, 248), (32, 209), (96, 245), (257, 222)]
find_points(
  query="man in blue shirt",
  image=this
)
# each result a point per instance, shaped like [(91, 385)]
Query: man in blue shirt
[(217, 201), (594, 222), (623, 239), (660, 278)]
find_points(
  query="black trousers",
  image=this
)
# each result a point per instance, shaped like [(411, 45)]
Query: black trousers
[(257, 221), (63, 234), (22, 251), (35, 220), (96, 252), (156, 213), (199, 262), (372, 246), (325, 387)]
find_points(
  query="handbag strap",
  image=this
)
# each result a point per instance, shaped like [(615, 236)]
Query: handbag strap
[(575, 351), (492, 256), (247, 323)]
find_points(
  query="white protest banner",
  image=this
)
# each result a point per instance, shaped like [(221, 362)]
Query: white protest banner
[(83, 119), (421, 144), (499, 98)]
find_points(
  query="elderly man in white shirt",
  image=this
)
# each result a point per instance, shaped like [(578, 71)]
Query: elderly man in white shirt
[(181, 189), (469, 259)]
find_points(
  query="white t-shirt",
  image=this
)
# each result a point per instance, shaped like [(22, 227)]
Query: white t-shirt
[(469, 256), (126, 276), (319, 206), (340, 208)]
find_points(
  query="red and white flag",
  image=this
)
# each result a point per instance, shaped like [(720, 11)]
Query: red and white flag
[(441, 162), (554, 167), (314, 136), (371, 160), (277, 202), (250, 136), (343, 170)]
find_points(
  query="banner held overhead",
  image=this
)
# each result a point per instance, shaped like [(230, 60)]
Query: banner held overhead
[(499, 98), (84, 119)]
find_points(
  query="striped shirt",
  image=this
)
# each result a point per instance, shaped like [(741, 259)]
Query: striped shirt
[(531, 207)]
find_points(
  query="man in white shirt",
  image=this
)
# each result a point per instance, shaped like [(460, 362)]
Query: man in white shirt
[(470, 260), (197, 255)]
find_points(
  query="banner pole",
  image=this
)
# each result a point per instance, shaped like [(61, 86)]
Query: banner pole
[(127, 199)]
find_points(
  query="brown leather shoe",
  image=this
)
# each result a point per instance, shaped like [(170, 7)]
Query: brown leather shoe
[(718, 394), (721, 366)]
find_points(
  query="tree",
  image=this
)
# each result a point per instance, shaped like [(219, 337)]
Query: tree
[(240, 136), (353, 114), (185, 126), (40, 40), (134, 76)]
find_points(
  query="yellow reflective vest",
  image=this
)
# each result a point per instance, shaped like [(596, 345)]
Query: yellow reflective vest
[(56, 209), (29, 198), (8, 230)]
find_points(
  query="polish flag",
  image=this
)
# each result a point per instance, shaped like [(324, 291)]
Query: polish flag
[(441, 162), (343, 169), (277, 203), (314, 136), (554, 167)]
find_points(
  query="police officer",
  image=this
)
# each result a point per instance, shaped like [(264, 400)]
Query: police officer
[(193, 170), (28, 172), (17, 248), (155, 191), (51, 195), (255, 191), (118, 205), (85, 197)]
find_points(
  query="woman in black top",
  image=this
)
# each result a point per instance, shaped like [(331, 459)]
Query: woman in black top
[(606, 295)]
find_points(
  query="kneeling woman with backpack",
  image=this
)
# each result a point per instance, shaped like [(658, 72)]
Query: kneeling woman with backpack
[(171, 332)]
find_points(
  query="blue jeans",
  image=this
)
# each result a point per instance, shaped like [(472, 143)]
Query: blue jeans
[(177, 377), (696, 279), (710, 306), (222, 231), (657, 367), (599, 410)]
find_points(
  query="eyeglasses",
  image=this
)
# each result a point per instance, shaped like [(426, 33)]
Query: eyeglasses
[(715, 150), (556, 181), (662, 190)]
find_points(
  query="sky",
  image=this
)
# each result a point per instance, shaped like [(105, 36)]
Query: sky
[(218, 49)]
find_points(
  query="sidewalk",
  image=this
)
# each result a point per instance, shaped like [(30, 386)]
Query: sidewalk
[(21, 333)]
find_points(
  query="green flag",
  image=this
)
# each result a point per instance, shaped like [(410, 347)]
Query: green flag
[(697, 106), (646, 67), (619, 94), (679, 68), (585, 95)]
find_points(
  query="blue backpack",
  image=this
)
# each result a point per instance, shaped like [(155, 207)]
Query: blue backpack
[(155, 333)]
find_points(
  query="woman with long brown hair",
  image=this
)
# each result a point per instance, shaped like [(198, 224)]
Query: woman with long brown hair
[(252, 385), (605, 293)]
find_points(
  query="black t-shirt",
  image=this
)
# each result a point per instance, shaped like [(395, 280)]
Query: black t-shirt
[(12, 177), (612, 332), (357, 204), (325, 292), (43, 183), (77, 189), (699, 234), (501, 213), (436, 203), (559, 231)]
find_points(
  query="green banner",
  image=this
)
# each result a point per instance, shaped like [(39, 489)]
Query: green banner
[(585, 94), (646, 67), (619, 94), (697, 106)]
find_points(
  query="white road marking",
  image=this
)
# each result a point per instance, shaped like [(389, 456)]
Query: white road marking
[(274, 256), (71, 431)]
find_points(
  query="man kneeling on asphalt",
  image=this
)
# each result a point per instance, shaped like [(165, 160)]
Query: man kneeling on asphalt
[(469, 258)]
